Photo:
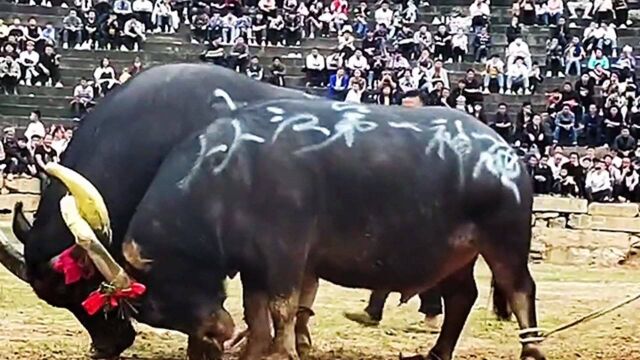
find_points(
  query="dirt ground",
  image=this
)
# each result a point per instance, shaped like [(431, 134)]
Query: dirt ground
[(30, 329)]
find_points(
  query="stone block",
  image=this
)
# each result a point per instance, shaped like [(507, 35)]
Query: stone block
[(558, 223), (559, 205), (588, 239), (547, 215), (541, 223), (608, 223), (617, 210), (23, 185), (8, 201)]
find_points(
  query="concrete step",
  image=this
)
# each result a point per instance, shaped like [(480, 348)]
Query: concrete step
[(55, 111), (21, 121), (35, 100), (6, 7)]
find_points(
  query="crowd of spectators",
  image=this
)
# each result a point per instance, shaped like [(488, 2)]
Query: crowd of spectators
[(28, 154)]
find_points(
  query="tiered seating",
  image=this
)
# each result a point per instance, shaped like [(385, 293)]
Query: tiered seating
[(159, 49)]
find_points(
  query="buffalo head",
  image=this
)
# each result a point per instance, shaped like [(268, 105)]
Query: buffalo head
[(79, 218)]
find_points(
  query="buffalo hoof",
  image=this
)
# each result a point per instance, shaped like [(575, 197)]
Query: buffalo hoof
[(203, 349), (532, 352), (303, 345), (97, 354), (362, 317)]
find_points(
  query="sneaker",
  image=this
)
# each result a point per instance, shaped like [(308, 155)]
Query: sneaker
[(560, 75), (586, 17), (548, 73), (527, 92), (136, 47), (28, 82), (65, 46), (77, 47), (38, 84), (486, 92), (623, 26), (501, 91), (123, 48), (59, 84), (196, 42), (21, 82), (573, 17), (64, 6), (508, 92)]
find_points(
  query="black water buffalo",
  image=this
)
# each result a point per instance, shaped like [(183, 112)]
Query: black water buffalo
[(289, 191), (119, 147)]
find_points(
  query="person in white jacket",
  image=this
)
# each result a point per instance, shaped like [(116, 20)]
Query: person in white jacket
[(518, 49), (384, 15), (518, 74), (598, 183), (315, 66)]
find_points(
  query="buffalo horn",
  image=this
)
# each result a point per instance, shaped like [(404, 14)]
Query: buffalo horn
[(86, 238), (21, 225), (90, 203), (12, 258)]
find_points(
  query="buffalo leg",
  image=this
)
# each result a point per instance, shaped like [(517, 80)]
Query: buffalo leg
[(305, 306), (200, 348), (511, 272), (206, 343), (283, 313), (256, 314), (460, 292)]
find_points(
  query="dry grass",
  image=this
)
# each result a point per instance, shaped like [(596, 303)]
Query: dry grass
[(33, 330)]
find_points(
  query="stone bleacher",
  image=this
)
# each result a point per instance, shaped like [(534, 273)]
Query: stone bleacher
[(162, 49)]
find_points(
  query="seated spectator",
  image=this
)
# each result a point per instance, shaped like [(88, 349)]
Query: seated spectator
[(110, 33), (627, 187), (387, 96), (136, 66), (355, 92), (214, 53), (17, 31), (625, 65), (229, 28), (555, 59), (357, 77), (33, 33), (338, 85), (72, 30), (278, 72), (565, 185), (556, 7), (238, 55), (259, 30), (82, 98), (104, 77), (460, 45), (405, 43), (143, 9), (28, 61), (407, 83), (442, 44), (384, 15), (603, 10), (573, 56), (535, 136), (481, 46), (518, 75), (122, 9), (565, 127), (92, 38), (48, 68), (502, 123), (621, 9), (541, 175), (243, 26), (478, 113), (535, 77), (480, 13), (593, 123), (472, 92), (133, 35), (438, 73), (598, 183), (612, 124), (542, 12), (21, 158), (527, 12), (494, 70), (518, 49), (10, 74), (49, 35), (124, 76), (163, 18), (423, 39), (315, 68), (35, 127), (584, 5), (255, 70), (514, 30), (575, 170), (357, 61), (599, 75), (275, 31), (624, 144)]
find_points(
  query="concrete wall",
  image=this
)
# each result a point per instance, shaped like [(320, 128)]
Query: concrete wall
[(22, 189), (571, 231)]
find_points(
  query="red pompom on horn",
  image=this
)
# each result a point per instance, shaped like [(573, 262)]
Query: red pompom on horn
[(72, 269), (109, 297)]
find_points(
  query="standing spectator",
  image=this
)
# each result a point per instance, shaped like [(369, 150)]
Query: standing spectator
[(239, 55), (10, 74), (133, 35), (255, 70), (494, 70), (442, 42), (82, 98), (278, 71), (43, 155), (565, 126), (104, 77), (338, 85), (28, 61), (624, 144), (502, 123), (72, 30), (314, 68), (48, 68)]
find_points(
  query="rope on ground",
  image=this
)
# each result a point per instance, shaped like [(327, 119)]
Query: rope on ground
[(543, 335)]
